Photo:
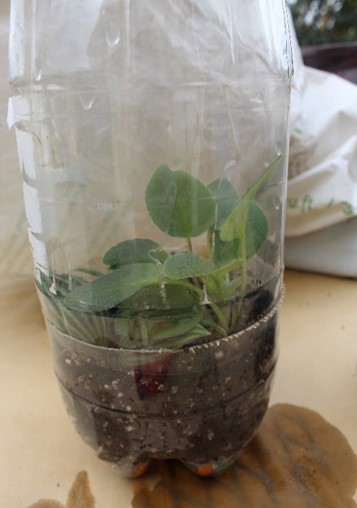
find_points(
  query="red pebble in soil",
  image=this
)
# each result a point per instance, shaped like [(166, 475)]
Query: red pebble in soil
[(150, 377)]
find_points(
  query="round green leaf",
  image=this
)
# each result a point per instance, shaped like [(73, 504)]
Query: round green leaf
[(224, 252), (179, 204), (225, 198), (185, 265), (234, 227), (111, 289), (257, 229), (137, 250), (171, 325)]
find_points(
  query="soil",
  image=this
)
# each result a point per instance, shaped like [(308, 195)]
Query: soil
[(200, 405)]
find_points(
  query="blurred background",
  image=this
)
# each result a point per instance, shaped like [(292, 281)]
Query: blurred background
[(324, 21), (327, 33)]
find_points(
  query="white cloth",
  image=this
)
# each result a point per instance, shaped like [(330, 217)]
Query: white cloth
[(321, 221), (323, 155)]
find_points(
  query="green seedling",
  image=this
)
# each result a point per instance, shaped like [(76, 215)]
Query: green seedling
[(149, 298)]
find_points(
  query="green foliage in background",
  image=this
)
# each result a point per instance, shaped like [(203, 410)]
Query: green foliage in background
[(324, 21)]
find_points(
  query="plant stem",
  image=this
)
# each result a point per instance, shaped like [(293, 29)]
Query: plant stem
[(222, 318), (244, 276), (229, 267), (189, 244), (244, 279)]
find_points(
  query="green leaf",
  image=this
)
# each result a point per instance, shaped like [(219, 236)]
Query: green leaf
[(170, 330), (179, 341), (185, 265), (89, 271), (256, 231), (169, 327), (111, 289), (209, 322), (235, 224), (224, 252), (264, 177), (137, 250), (225, 198), (230, 288), (92, 328), (57, 285), (179, 204), (158, 298)]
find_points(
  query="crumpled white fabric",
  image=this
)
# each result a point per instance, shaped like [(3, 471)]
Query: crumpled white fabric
[(321, 218), (323, 155)]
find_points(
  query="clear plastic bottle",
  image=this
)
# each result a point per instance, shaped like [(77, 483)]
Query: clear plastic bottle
[(152, 139)]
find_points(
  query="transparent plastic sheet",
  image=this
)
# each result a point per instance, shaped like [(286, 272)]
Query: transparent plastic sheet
[(15, 252), (228, 27), (205, 38), (204, 57)]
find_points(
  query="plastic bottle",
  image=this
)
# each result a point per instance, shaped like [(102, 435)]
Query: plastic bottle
[(152, 139)]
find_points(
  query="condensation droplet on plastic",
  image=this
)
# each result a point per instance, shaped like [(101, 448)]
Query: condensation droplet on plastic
[(277, 203), (278, 148), (163, 292), (175, 164), (86, 100), (229, 170), (112, 35), (257, 98), (111, 27), (38, 73)]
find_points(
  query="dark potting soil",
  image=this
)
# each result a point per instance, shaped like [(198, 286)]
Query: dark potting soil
[(199, 405)]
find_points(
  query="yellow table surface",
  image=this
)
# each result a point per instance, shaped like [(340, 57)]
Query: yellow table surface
[(41, 453)]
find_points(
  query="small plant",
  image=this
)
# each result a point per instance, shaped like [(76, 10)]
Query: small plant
[(150, 298)]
